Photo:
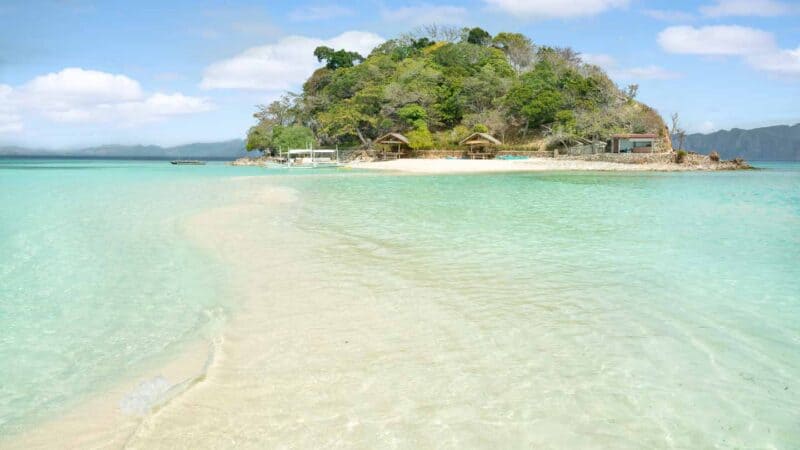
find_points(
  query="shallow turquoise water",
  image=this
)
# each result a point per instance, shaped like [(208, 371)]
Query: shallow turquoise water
[(672, 298), (658, 310), (96, 276)]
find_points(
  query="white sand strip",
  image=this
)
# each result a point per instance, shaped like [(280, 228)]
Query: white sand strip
[(444, 166)]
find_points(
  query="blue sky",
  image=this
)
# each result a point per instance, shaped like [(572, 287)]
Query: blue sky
[(80, 72)]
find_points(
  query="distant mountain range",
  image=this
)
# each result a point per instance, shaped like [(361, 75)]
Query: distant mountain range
[(213, 150), (776, 143)]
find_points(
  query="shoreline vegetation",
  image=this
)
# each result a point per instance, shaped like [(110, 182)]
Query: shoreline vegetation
[(462, 93)]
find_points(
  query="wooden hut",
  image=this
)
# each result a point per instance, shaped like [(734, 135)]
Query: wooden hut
[(481, 145), (393, 146)]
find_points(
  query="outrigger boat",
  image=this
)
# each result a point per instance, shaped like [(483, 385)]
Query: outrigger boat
[(187, 162), (312, 158)]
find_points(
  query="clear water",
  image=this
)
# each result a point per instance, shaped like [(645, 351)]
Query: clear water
[(547, 309), (96, 277)]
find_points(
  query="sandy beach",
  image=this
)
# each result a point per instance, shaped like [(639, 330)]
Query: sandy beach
[(444, 166)]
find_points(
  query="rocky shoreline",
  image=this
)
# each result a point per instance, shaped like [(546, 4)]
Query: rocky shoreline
[(662, 162)]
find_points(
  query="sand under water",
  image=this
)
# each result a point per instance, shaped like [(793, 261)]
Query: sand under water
[(570, 310)]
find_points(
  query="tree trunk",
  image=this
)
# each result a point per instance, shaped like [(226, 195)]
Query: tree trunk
[(361, 137)]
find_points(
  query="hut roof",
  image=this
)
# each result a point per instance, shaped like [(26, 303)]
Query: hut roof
[(480, 139), (392, 138), (635, 136)]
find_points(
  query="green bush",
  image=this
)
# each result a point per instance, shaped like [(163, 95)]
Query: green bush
[(411, 114), (680, 157), (714, 156), (566, 118), (420, 138)]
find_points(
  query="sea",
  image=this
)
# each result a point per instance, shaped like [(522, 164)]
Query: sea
[(340, 308)]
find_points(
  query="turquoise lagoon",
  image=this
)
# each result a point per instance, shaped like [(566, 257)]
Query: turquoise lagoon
[(623, 309)]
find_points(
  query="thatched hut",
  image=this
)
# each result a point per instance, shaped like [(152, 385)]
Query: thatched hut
[(393, 146), (481, 145)]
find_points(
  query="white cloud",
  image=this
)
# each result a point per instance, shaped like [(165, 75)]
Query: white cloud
[(77, 88), (715, 40), (320, 12), (10, 121), (669, 15), (77, 95), (757, 47), (763, 8), (780, 62), (160, 105), (283, 65), (549, 9), (426, 13), (607, 62)]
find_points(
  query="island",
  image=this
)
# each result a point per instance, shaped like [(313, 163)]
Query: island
[(445, 99)]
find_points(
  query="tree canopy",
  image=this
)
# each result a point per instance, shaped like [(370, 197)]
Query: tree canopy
[(437, 84), (335, 59)]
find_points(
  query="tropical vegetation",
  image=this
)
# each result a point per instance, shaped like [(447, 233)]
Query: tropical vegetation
[(437, 85)]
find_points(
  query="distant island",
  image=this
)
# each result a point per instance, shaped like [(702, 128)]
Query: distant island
[(224, 150), (775, 143)]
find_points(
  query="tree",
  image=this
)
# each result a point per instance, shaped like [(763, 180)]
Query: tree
[(416, 117), (438, 33), (536, 96), (336, 59), (284, 111), (448, 106), (566, 118), (421, 43), (267, 137), (517, 47), (479, 36), (480, 128), (484, 90), (631, 91), (345, 120), (420, 138), (681, 138), (413, 114), (259, 138), (543, 108), (675, 122), (677, 131), (294, 136)]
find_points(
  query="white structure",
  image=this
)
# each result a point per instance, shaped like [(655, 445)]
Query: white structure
[(633, 143), (310, 158)]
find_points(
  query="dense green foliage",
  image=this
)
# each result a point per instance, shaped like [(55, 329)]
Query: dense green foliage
[(266, 137), (436, 87), (336, 59)]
